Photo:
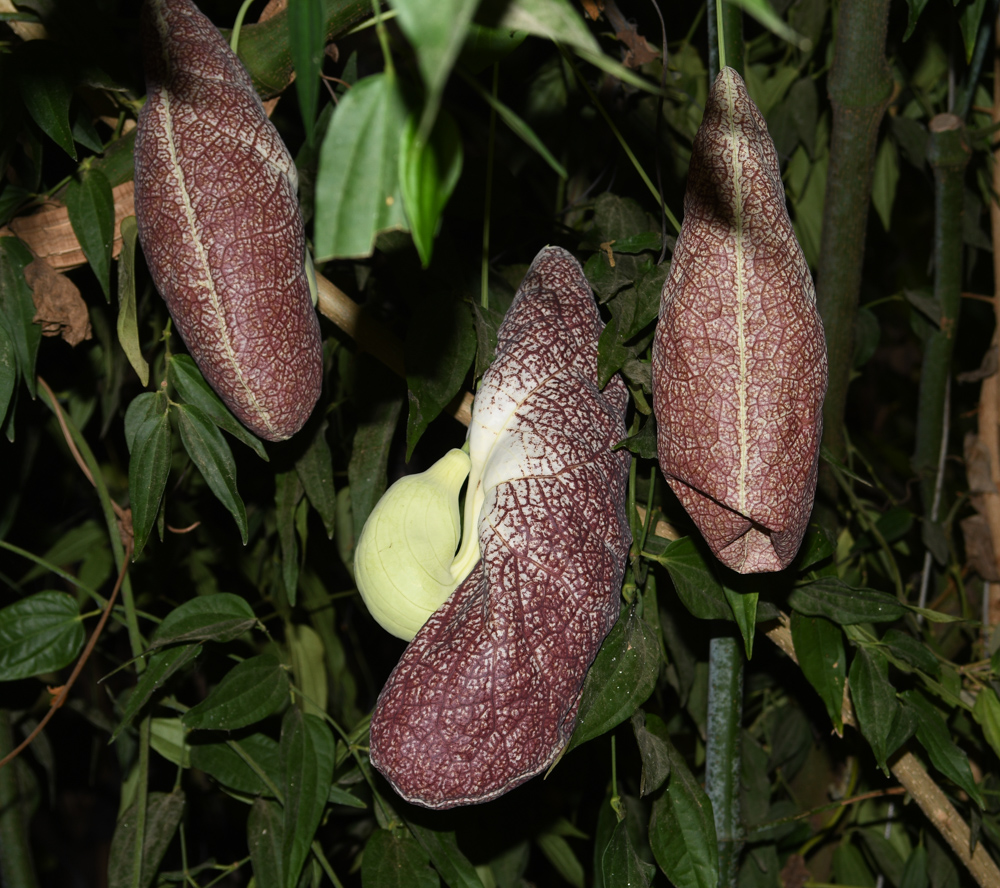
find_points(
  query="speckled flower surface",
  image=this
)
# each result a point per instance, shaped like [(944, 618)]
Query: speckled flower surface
[(486, 694), (739, 357), (218, 216)]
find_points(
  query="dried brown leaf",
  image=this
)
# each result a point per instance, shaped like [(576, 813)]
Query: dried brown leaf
[(59, 308)]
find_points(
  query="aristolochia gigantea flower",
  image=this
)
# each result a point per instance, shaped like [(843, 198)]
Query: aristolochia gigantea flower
[(739, 358), (486, 694)]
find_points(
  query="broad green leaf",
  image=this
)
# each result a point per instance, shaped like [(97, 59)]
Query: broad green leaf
[(211, 454), (945, 755), (8, 370), (561, 856), (649, 731), (885, 180), (307, 753), (816, 546), (907, 648), (184, 375), (437, 33), (226, 765), (396, 860), (557, 20), (91, 209), (987, 712), (698, 589), (41, 633), (148, 469), (621, 865), (17, 308), (220, 617), (357, 183), (874, 700), (249, 692), (832, 598), (682, 830), (128, 324), (819, 645), (46, 91), (744, 605), (287, 493), (440, 346), (163, 816), (159, 668), (765, 14), (308, 667), (265, 837), (620, 680), (428, 172), (448, 860), (306, 37), (143, 412), (315, 470), (168, 737)]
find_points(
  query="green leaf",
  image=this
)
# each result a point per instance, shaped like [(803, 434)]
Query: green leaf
[(39, 634), (620, 680), (46, 90), (91, 209), (428, 173), (483, 46), (819, 645), (357, 183), (315, 470), (886, 177), (874, 700), (168, 737), (621, 864), (308, 667), (437, 32), (832, 598), (816, 546), (986, 711), (554, 19), (765, 14), (249, 692), (160, 667), (968, 23), (17, 308), (8, 370), (287, 493), (682, 830), (744, 605), (643, 442), (561, 856), (907, 648), (307, 754), (144, 411), (184, 375), (221, 617), (396, 860), (916, 7), (698, 589), (650, 734), (934, 736), (265, 836), (148, 469), (915, 870), (448, 860), (223, 763), (128, 322), (163, 816), (211, 454), (306, 36), (440, 347)]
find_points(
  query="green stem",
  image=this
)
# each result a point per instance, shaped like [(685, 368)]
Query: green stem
[(16, 866), (860, 86), (141, 800), (234, 38), (722, 755), (948, 155), (731, 29)]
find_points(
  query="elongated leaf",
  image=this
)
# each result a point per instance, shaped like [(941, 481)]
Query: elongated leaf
[(184, 375), (144, 411), (819, 645), (265, 836), (357, 183), (428, 172), (555, 19), (249, 692), (650, 734), (622, 865), (831, 598), (8, 370), (308, 667), (46, 90), (287, 493), (160, 667), (987, 712), (227, 766), (211, 454), (147, 475), (163, 816), (620, 680), (561, 856), (934, 736), (220, 617), (307, 753), (396, 860), (765, 14), (168, 737), (39, 634), (437, 32), (744, 605), (885, 179), (17, 308), (874, 700), (128, 325), (448, 860), (315, 470), (682, 831), (92, 214), (306, 35)]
